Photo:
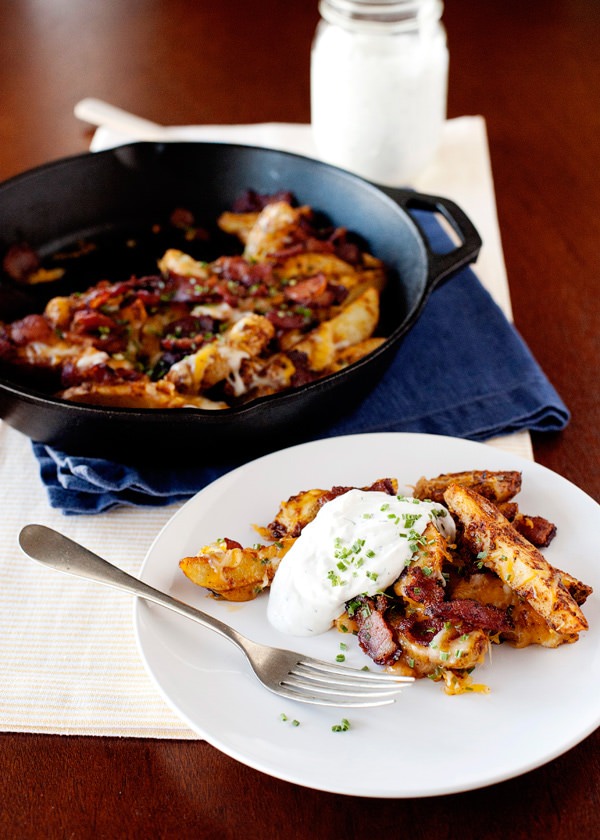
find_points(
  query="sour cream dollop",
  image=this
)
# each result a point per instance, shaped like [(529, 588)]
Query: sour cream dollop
[(357, 544)]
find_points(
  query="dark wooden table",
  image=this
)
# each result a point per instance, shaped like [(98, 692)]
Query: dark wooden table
[(533, 70)]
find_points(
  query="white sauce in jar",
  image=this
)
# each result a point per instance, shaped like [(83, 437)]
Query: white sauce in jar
[(378, 99), (357, 544)]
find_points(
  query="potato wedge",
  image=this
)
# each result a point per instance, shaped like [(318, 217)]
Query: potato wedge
[(355, 323), (237, 224), (139, 394), (528, 626), (232, 572), (354, 353), (498, 486), (222, 359), (516, 561), (272, 229), (180, 263), (302, 508)]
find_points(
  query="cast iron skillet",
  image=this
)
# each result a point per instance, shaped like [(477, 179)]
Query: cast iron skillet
[(120, 199)]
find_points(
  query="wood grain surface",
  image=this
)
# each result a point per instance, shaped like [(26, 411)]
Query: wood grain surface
[(532, 69)]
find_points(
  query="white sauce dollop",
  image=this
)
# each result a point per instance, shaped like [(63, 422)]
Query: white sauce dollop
[(357, 544)]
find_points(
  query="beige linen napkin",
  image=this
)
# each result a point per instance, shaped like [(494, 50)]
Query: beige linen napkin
[(68, 657)]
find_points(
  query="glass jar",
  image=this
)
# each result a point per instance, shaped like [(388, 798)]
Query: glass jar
[(379, 75)]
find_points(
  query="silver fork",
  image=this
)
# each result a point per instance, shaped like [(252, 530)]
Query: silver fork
[(283, 672)]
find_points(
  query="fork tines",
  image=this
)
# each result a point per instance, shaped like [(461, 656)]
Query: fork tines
[(328, 684)]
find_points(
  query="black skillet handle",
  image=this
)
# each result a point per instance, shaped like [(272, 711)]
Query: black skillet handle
[(441, 265)]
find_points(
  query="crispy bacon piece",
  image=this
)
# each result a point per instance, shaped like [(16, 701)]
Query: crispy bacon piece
[(375, 635), (310, 239), (423, 588), (389, 633), (149, 289), (345, 250), (579, 590), (382, 485), (190, 290), (468, 613), (539, 531), (185, 220), (71, 375), (472, 615), (20, 261), (229, 543), (308, 245), (526, 626), (255, 276), (287, 319), (508, 509), (30, 328), (316, 292), (536, 529), (188, 334), (105, 332), (90, 321), (307, 290), (302, 372)]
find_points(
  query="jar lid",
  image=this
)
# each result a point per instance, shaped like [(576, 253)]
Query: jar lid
[(397, 15)]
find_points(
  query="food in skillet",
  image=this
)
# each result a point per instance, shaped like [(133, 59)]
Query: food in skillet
[(300, 302), (427, 583)]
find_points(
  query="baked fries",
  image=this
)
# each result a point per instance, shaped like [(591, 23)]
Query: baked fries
[(452, 601), (300, 302)]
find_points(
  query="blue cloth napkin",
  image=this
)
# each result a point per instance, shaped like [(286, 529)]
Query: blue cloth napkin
[(463, 370)]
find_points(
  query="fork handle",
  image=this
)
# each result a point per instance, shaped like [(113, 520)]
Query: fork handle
[(53, 549)]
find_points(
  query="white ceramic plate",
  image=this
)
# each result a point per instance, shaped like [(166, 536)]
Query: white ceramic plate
[(542, 702)]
